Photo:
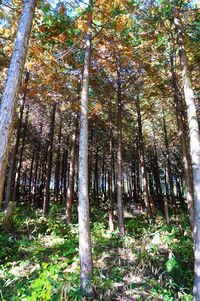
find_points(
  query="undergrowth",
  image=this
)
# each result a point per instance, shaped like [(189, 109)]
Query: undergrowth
[(39, 258)]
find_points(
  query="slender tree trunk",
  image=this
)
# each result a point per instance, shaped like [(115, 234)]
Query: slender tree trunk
[(103, 178), (156, 167), (49, 163), (105, 185), (10, 202), (64, 176), (57, 168), (34, 186), (163, 200), (139, 190), (96, 180), (169, 170), (133, 175), (70, 189), (11, 172), (142, 162), (178, 189), (151, 188), (194, 151), (119, 159), (166, 180), (30, 181), (9, 98), (18, 172), (182, 133), (114, 174), (65, 179), (90, 163), (24, 181), (85, 253), (111, 215)]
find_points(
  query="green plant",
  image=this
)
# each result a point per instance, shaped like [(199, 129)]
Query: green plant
[(43, 287)]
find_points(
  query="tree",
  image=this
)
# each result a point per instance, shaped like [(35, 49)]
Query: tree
[(9, 97), (142, 160), (70, 188), (85, 252), (49, 162), (119, 157), (194, 150)]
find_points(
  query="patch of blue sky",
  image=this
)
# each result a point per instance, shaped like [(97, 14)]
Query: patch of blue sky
[(79, 3)]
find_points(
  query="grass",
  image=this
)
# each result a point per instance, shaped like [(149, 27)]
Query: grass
[(39, 258)]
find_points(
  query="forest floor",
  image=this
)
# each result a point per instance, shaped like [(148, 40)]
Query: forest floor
[(39, 258)]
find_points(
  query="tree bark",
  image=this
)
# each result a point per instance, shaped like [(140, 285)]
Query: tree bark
[(119, 158), (96, 180), (103, 178), (194, 151), (169, 170), (157, 179), (11, 171), (70, 188), (49, 163), (111, 215), (142, 161), (139, 190), (34, 186), (9, 98), (85, 252), (10, 191), (18, 172), (90, 152), (64, 175), (182, 133), (57, 168), (30, 180), (134, 175)]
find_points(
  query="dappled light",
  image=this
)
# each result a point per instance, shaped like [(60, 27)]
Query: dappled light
[(99, 150), (137, 266)]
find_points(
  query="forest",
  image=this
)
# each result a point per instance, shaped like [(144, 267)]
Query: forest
[(100, 150)]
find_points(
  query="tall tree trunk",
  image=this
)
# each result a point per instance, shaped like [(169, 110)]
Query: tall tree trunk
[(151, 186), (114, 173), (111, 215), (18, 172), (49, 163), (64, 175), (90, 152), (10, 93), (182, 133), (96, 180), (30, 181), (57, 167), (35, 174), (169, 170), (85, 252), (194, 151), (70, 189), (10, 201), (11, 178), (164, 200), (139, 190), (11, 172), (133, 175), (119, 158), (142, 161), (103, 176), (156, 167)]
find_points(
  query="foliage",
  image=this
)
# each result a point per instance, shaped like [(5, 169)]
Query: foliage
[(40, 261)]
